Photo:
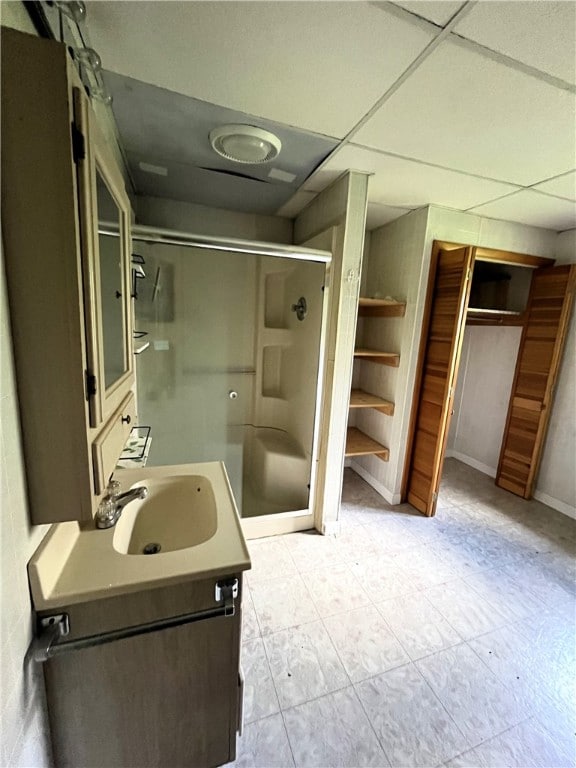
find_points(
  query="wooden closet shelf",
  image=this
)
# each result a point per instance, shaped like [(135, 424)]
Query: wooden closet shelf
[(359, 444), (376, 356), (361, 399), (381, 308)]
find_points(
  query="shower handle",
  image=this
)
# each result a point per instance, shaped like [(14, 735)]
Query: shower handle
[(300, 308)]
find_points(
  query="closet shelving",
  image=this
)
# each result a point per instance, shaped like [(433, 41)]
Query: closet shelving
[(358, 443), (498, 293)]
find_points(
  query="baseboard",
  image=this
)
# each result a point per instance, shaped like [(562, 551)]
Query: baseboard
[(559, 506), (391, 498), (484, 468), (550, 501)]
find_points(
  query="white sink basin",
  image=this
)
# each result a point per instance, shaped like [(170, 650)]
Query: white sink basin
[(179, 512)]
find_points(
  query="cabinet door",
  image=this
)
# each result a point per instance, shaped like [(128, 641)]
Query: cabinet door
[(449, 287), (166, 698), (539, 356), (105, 227)]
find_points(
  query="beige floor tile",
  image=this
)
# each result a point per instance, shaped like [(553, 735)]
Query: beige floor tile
[(365, 643), (264, 744), (260, 698), (335, 590), (477, 701), (418, 625), (304, 664), (413, 727), (382, 578), (270, 558), (310, 550), (283, 602), (469, 614), (526, 745), (333, 731)]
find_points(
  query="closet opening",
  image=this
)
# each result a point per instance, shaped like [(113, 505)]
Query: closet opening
[(493, 333)]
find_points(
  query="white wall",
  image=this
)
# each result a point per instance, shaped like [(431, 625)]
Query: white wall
[(202, 220), (23, 719), (482, 395)]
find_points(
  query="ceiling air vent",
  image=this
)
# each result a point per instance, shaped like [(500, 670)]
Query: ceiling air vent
[(245, 144)]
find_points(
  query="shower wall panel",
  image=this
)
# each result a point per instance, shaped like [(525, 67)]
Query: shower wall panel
[(198, 309)]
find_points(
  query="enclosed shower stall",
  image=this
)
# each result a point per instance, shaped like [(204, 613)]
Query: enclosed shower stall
[(232, 335)]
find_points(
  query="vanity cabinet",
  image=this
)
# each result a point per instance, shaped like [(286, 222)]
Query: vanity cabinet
[(66, 240), (170, 697)]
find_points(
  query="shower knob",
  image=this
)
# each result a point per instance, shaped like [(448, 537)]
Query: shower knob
[(232, 394)]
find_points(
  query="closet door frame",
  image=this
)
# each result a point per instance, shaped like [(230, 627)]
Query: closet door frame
[(478, 254)]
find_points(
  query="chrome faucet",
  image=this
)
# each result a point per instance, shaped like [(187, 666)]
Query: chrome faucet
[(112, 505)]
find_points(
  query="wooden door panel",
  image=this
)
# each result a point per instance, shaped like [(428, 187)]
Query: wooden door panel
[(543, 338), (433, 389), (442, 340)]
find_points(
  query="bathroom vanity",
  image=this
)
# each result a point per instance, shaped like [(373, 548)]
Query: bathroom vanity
[(141, 652)]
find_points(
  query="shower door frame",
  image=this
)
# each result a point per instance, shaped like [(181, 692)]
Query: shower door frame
[(276, 522)]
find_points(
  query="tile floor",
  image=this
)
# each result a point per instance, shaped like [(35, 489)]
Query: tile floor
[(409, 641)]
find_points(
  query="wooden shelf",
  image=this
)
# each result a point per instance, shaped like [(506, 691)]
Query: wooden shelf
[(361, 399), (359, 444), (380, 308), (376, 356)]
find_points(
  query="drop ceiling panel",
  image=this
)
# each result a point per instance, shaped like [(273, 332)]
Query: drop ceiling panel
[(465, 111), (195, 185), (315, 65), (563, 186), (533, 208), (438, 11), (541, 33), (407, 183)]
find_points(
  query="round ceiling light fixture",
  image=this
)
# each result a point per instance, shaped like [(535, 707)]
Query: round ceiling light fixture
[(245, 144)]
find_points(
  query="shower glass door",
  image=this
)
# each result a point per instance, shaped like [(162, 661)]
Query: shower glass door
[(231, 371)]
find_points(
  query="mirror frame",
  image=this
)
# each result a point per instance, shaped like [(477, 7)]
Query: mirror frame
[(98, 159)]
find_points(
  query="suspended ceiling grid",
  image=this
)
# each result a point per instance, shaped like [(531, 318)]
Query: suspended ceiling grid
[(467, 105)]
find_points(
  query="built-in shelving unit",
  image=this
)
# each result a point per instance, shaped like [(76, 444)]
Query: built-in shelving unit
[(357, 442)]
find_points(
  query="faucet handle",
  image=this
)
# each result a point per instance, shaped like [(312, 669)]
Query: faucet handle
[(106, 513), (113, 490)]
